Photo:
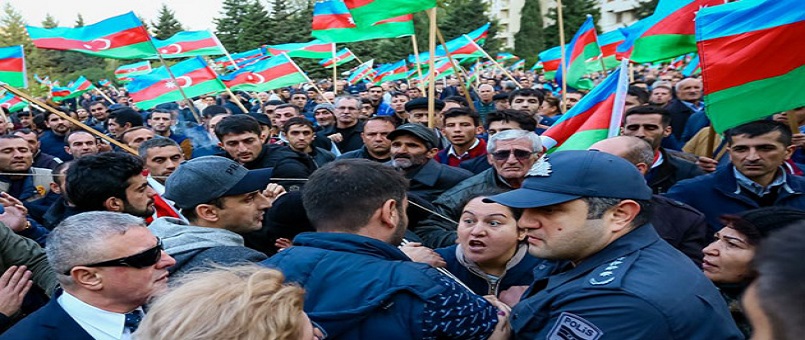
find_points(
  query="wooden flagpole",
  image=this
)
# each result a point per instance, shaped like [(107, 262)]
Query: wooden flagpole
[(335, 71), (33, 101), (173, 78), (225, 51), (493, 61), (459, 74), (416, 57), (431, 69), (307, 78), (564, 57)]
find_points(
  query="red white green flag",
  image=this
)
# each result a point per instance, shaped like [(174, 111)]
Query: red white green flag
[(120, 37), (12, 66), (193, 75)]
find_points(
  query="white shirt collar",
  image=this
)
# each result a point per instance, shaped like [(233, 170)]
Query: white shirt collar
[(452, 151), (100, 324)]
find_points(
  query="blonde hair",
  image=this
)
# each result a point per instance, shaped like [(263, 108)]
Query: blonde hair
[(241, 302)]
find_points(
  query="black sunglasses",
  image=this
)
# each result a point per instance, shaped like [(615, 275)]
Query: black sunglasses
[(503, 155), (144, 259)]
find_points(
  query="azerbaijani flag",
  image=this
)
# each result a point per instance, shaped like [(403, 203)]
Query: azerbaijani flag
[(537, 66), (504, 56), (332, 22), (75, 89), (667, 33), (126, 72), (240, 57), (693, 67), (189, 44), (583, 47), (748, 48), (193, 75), (367, 12), (551, 58), (394, 71), (266, 74), (362, 71), (12, 103), (44, 81), (460, 47), (342, 57), (316, 49), (597, 115), (104, 82), (12, 66), (518, 65), (120, 37), (609, 43)]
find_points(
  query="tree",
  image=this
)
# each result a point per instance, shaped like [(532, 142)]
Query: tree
[(529, 41), (645, 8), (463, 16), (79, 22), (253, 31), (228, 26), (166, 25), (574, 12)]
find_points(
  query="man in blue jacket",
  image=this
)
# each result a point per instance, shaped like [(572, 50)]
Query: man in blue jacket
[(755, 178), (614, 277), (358, 284)]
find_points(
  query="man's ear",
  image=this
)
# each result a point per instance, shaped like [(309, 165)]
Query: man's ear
[(114, 204), (389, 214), (432, 153), (622, 215), (207, 212)]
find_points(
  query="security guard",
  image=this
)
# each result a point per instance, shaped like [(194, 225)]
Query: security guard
[(615, 278)]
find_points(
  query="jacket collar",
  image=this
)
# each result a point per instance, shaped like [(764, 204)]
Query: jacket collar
[(350, 243), (428, 174)]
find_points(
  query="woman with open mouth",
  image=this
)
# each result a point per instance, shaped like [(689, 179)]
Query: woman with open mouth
[(491, 255)]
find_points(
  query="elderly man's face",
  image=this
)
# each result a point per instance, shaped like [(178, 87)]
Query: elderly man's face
[(408, 152), (506, 161)]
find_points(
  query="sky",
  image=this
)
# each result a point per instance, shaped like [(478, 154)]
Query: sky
[(192, 14)]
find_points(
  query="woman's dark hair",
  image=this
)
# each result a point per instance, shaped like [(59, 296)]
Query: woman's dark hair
[(757, 224)]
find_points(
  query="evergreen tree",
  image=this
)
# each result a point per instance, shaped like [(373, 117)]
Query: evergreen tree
[(228, 26), (529, 41), (574, 12), (79, 22), (253, 31), (12, 29), (166, 25), (463, 16), (645, 8)]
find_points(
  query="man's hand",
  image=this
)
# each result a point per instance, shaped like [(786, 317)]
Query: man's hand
[(14, 284), (419, 253), (512, 295), (14, 218), (707, 164), (273, 191), (282, 243), (798, 140), (503, 329), (336, 137)]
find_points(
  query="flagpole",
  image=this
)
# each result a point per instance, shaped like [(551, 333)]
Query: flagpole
[(461, 78), (493, 61), (236, 100), (306, 78), (564, 57), (416, 57), (173, 78), (335, 72), (105, 96), (478, 71), (225, 51), (431, 69), (33, 101)]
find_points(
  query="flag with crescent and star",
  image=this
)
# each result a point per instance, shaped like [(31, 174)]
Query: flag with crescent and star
[(189, 44), (266, 74), (120, 37), (332, 22), (12, 66), (193, 75)]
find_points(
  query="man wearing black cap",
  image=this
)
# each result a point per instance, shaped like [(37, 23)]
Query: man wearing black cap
[(613, 276), (418, 113), (413, 147), (220, 199)]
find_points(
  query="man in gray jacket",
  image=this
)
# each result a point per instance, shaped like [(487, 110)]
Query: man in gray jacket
[(220, 199)]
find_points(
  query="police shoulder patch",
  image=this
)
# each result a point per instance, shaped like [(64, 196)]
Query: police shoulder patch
[(610, 273), (570, 326)]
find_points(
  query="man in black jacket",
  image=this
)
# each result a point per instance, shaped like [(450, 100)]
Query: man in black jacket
[(240, 138), (679, 224), (652, 124)]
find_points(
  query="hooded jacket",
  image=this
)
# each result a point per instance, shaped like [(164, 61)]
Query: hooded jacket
[(195, 247)]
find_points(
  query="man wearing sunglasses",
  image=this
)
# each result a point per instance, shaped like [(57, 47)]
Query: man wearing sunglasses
[(109, 265), (513, 154)]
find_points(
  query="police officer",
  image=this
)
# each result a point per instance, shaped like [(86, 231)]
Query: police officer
[(614, 277)]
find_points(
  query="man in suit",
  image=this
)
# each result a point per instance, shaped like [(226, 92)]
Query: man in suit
[(109, 265)]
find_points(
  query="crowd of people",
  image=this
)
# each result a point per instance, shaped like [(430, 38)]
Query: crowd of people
[(351, 212)]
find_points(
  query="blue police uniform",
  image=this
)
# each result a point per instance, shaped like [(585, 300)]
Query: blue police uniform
[(638, 287)]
